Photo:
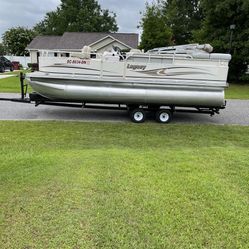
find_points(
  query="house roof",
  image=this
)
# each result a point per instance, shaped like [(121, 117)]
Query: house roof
[(76, 40), (44, 42)]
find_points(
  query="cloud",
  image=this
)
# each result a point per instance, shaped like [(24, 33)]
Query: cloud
[(24, 13), (128, 12), (27, 13)]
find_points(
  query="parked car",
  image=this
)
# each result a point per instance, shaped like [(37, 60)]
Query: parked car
[(5, 64)]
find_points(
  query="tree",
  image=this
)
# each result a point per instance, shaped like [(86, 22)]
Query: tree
[(156, 33), (167, 22), (77, 16), (15, 40), (218, 16), (2, 49), (183, 17)]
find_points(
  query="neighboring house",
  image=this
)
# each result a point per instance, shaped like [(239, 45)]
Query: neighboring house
[(75, 41)]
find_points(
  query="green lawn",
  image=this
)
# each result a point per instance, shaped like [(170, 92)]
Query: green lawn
[(104, 185), (11, 84), (238, 91)]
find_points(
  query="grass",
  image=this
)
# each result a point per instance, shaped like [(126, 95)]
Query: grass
[(100, 185), (237, 91), (11, 84)]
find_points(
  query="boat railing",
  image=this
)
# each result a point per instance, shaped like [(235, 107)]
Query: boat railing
[(66, 53), (134, 58)]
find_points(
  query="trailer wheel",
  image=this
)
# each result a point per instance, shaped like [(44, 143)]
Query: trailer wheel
[(138, 115), (163, 116)]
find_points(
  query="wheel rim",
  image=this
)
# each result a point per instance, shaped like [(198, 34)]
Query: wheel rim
[(164, 117), (138, 116)]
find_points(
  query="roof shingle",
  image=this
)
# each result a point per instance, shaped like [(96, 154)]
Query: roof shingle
[(76, 40), (44, 42)]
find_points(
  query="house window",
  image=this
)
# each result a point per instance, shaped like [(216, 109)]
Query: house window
[(65, 55), (50, 54)]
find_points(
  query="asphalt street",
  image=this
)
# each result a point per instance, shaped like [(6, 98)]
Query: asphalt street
[(236, 113)]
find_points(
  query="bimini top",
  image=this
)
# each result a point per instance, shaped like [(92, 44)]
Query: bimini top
[(199, 51)]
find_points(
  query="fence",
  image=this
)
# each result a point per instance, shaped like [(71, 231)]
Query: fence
[(24, 60)]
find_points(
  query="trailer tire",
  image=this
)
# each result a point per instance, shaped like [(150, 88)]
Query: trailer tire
[(163, 116), (138, 115)]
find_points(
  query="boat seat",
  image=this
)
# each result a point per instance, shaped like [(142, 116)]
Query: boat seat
[(86, 52), (111, 56)]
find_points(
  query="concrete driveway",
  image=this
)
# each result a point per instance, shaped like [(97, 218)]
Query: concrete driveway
[(236, 113), (6, 76)]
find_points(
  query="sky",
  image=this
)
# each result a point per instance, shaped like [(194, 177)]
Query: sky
[(28, 12)]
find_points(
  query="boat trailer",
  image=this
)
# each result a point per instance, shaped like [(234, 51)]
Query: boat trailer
[(163, 114)]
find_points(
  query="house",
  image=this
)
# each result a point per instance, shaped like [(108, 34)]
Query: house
[(75, 41)]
